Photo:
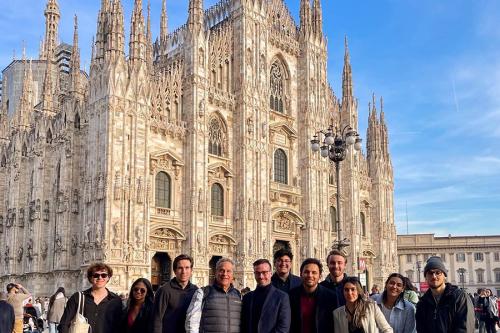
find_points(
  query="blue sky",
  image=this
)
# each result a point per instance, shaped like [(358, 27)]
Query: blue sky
[(436, 64)]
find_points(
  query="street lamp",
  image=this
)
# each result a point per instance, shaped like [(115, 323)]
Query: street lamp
[(461, 272), (335, 145), (419, 267)]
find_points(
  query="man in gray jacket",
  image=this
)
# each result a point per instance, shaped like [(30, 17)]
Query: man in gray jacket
[(216, 308), (173, 298)]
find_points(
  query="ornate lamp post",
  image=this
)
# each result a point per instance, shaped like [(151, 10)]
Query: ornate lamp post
[(335, 145), (461, 272), (419, 267)]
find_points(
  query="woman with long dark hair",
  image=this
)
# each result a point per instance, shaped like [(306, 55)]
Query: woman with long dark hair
[(359, 314), (57, 303), (399, 312), (138, 313)]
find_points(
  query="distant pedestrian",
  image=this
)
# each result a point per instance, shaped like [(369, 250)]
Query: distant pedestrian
[(7, 316), (282, 278), (398, 312), (57, 303), (444, 307), (266, 309), (360, 314), (103, 308), (173, 298), (375, 291), (138, 314), (312, 304), (17, 295), (410, 293)]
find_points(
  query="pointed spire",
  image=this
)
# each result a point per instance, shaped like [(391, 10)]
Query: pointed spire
[(196, 16), (75, 59), (52, 16), (149, 39), (137, 43), (48, 89), (317, 18), (114, 46), (26, 100), (347, 86), (163, 28), (305, 16)]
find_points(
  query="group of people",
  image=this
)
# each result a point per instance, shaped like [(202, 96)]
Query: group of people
[(281, 302), (486, 306)]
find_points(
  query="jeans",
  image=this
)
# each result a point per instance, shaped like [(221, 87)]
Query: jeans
[(53, 327)]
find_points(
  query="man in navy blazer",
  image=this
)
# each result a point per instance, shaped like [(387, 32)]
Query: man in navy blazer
[(266, 309), (311, 304)]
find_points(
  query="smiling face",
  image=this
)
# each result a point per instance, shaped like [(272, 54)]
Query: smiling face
[(351, 292), (99, 279), (283, 265), (224, 276), (139, 292), (310, 276), (336, 266), (262, 274), (394, 286)]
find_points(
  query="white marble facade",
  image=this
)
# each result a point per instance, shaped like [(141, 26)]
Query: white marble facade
[(196, 143)]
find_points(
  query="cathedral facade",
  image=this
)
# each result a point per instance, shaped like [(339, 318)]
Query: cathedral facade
[(197, 143)]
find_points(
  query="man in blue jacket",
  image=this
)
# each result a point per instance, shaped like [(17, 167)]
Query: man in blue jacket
[(266, 309)]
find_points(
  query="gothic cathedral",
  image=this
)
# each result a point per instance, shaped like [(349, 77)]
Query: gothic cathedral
[(197, 142)]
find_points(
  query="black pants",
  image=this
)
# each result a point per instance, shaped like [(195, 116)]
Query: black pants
[(489, 324)]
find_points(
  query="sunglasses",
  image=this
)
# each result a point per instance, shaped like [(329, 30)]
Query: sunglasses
[(140, 290), (100, 275)]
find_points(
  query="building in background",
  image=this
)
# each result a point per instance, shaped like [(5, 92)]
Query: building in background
[(197, 143), (472, 261)]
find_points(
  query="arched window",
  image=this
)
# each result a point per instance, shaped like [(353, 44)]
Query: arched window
[(216, 137), (280, 167), (162, 186), (362, 224), (77, 121), (277, 87), (217, 200), (333, 218)]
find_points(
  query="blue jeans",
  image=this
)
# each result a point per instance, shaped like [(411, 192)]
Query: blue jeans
[(53, 327)]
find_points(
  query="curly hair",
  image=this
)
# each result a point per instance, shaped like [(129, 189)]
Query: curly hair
[(98, 266)]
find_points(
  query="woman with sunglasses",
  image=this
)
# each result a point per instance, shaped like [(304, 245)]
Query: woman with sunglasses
[(359, 314), (103, 309), (399, 312), (138, 314)]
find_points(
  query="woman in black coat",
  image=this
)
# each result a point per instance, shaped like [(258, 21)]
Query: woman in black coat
[(138, 314)]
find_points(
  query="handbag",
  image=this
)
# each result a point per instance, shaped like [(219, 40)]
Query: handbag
[(79, 323)]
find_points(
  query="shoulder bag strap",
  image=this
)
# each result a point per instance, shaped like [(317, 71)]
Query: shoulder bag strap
[(83, 302)]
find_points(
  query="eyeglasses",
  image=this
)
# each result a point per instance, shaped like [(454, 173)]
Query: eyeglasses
[(140, 290), (100, 275), (261, 273), (285, 261)]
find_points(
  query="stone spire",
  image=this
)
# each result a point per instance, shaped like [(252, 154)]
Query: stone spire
[(373, 132), (99, 46), (48, 89), (384, 132), (137, 43), (75, 59), (196, 16), (52, 16), (317, 18), (163, 28), (26, 101), (305, 16), (149, 39), (347, 86), (115, 41)]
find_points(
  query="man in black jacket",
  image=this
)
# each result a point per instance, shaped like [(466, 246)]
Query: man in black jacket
[(6, 314), (336, 261), (283, 279), (311, 304), (266, 309), (444, 307), (173, 298)]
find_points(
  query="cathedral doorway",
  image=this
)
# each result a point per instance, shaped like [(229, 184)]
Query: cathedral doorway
[(211, 264), (281, 244), (161, 267)]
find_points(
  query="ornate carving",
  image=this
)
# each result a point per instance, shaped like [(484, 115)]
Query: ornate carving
[(164, 233), (140, 191), (117, 186), (283, 222), (116, 232), (44, 249), (139, 232), (75, 202), (46, 211), (20, 253), (74, 245), (21, 218), (29, 246)]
